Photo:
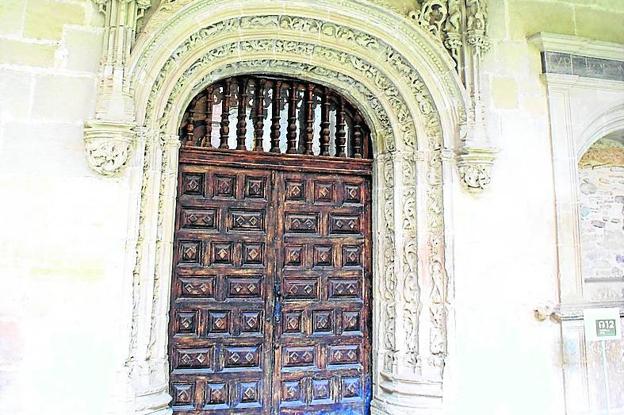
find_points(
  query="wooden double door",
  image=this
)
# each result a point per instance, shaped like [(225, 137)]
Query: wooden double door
[(270, 309)]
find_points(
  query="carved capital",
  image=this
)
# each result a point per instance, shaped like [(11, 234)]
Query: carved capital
[(108, 146), (475, 167)]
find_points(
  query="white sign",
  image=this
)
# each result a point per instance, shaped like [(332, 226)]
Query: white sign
[(602, 324)]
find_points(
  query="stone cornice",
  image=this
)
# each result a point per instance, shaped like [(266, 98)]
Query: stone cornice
[(552, 42)]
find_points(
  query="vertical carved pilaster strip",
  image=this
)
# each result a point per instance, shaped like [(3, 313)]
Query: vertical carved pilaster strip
[(309, 124), (259, 118), (292, 121), (411, 287), (275, 116), (225, 116), (325, 131), (157, 349), (241, 125), (388, 286), (341, 134), (207, 140)]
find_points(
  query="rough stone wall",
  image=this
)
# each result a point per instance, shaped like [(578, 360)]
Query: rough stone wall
[(601, 217)]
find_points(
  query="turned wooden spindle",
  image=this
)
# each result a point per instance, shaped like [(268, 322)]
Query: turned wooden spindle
[(241, 125), (207, 139), (189, 133), (325, 131), (275, 116), (291, 138), (341, 135), (357, 136), (224, 131), (309, 123), (259, 119)]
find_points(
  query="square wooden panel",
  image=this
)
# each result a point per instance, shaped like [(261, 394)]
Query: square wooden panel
[(322, 391), (216, 396), (253, 253), (351, 322), (186, 322), (323, 256), (323, 192), (190, 252), (224, 187), (292, 322), (292, 393), (255, 187), (251, 322), (351, 388), (295, 190), (294, 255), (352, 255), (193, 184), (352, 193), (249, 394), (218, 322), (183, 395), (222, 253), (322, 321)]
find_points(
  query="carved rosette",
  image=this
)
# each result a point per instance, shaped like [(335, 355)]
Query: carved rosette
[(108, 146), (475, 167)]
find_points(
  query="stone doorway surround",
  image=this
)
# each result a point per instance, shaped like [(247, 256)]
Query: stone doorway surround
[(421, 115)]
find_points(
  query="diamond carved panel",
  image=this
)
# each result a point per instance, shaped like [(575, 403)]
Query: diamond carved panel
[(198, 219), (323, 256), (244, 287), (323, 192), (190, 252), (302, 223), (298, 356), (294, 255), (192, 184), (300, 289), (295, 190), (222, 253), (197, 287), (255, 187), (241, 357), (216, 395), (218, 322), (247, 220), (195, 358), (225, 186), (344, 224)]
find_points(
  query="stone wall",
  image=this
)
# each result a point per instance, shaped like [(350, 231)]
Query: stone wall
[(63, 229)]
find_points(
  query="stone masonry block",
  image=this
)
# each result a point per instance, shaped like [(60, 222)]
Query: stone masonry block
[(15, 97), (63, 98), (45, 18), (20, 52), (529, 17), (83, 48), (11, 16)]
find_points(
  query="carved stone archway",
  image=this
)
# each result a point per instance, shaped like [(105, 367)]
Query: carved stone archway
[(414, 102)]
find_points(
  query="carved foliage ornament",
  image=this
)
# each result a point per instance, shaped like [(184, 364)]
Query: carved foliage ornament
[(108, 146), (391, 94)]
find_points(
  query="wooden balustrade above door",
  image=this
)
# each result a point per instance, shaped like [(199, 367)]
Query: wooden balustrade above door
[(275, 115)]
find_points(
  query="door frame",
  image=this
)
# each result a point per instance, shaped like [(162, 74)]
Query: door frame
[(413, 102)]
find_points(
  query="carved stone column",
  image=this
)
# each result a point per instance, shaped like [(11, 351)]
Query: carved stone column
[(109, 137)]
